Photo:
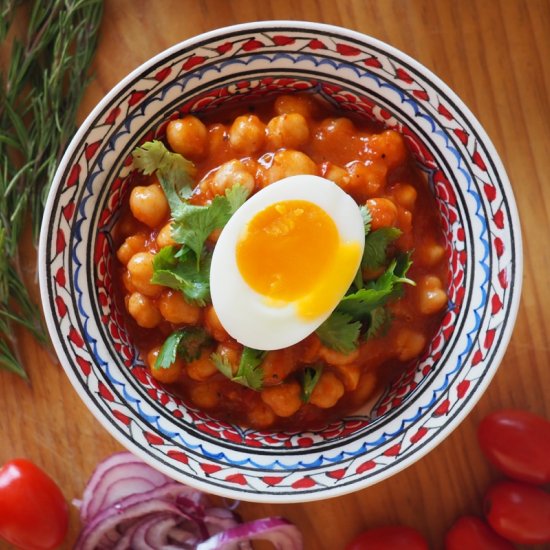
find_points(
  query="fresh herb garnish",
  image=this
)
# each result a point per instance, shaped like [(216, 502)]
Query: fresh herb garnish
[(376, 246), (376, 293), (339, 332), (175, 173), (367, 218), (310, 378), (178, 269), (169, 350), (187, 343), (249, 373), (380, 319), (192, 224), (40, 91)]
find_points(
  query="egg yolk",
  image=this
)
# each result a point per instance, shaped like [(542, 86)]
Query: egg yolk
[(292, 252)]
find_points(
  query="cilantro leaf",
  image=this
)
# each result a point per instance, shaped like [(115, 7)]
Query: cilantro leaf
[(168, 351), (380, 319), (187, 343), (360, 304), (339, 332), (367, 218), (175, 172), (192, 224), (249, 373), (376, 246), (193, 341), (180, 272), (223, 365), (310, 378)]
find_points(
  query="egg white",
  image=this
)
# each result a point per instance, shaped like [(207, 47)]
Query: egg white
[(244, 313)]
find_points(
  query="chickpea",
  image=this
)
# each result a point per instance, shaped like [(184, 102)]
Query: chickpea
[(187, 136), (337, 174), (176, 309), (302, 104), (367, 180), (229, 174), (164, 237), (365, 387), (350, 375), (404, 223), (288, 163), (143, 310), (327, 391), (127, 282), (289, 130), (383, 212), (261, 416), (310, 348), (213, 325), (149, 205), (206, 395), (132, 245), (337, 358), (247, 134), (218, 141), (165, 375), (409, 344), (277, 365), (337, 127), (388, 146), (430, 295), (202, 368), (140, 267), (430, 254), (284, 399), (405, 195)]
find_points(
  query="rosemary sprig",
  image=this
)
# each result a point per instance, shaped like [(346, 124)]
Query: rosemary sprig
[(40, 90)]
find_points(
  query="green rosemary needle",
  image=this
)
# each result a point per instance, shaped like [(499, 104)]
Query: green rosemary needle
[(40, 89)]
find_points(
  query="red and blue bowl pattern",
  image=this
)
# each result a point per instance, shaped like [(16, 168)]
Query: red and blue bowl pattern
[(241, 64)]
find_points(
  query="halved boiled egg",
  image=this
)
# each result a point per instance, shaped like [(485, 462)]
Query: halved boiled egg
[(284, 261)]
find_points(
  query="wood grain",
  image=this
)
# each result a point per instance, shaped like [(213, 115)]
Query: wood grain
[(494, 54)]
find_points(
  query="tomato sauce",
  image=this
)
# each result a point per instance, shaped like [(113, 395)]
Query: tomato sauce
[(370, 163)]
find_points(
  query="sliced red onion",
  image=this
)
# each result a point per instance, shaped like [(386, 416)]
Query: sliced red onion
[(153, 534), (280, 532), (106, 524), (219, 519), (129, 505), (119, 475)]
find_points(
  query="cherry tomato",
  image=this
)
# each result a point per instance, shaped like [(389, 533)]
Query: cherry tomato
[(474, 534), (518, 444), (33, 512), (518, 512), (398, 537)]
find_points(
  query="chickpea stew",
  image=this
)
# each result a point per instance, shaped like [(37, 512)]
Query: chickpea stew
[(211, 167)]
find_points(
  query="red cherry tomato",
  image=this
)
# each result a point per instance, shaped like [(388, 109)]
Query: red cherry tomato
[(518, 444), (399, 537), (33, 511), (474, 534), (518, 512)]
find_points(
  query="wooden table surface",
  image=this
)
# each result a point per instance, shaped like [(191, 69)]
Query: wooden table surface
[(495, 55)]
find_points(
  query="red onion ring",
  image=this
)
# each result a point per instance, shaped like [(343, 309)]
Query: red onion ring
[(127, 505)]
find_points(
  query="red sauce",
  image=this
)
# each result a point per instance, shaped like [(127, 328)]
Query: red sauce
[(371, 164)]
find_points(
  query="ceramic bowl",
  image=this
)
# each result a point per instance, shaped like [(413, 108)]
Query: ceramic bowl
[(355, 73)]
